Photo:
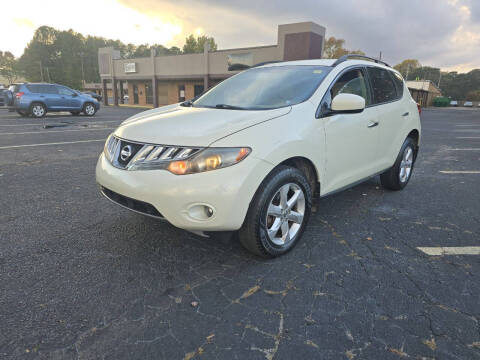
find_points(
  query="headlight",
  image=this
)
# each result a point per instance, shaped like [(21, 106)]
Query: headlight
[(209, 159), (110, 147), (179, 160)]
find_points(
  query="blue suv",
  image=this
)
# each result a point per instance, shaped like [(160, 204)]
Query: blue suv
[(38, 99)]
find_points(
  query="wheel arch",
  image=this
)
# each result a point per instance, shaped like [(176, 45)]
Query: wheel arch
[(307, 167), (415, 135)]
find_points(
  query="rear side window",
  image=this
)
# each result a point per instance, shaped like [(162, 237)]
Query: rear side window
[(397, 79), (383, 87), (34, 88), (49, 89)]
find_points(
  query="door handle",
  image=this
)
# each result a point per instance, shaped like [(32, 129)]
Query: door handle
[(372, 124), (406, 114)]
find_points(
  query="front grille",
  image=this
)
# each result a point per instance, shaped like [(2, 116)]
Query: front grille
[(128, 155), (131, 204)]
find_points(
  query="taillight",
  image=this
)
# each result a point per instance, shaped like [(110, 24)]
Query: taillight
[(419, 108), (19, 94)]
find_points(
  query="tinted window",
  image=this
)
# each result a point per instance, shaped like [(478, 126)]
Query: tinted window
[(34, 88), (266, 87), (49, 89), (398, 82), (64, 91), (351, 82), (383, 87)]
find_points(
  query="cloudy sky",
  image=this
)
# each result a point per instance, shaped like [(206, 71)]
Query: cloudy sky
[(442, 33)]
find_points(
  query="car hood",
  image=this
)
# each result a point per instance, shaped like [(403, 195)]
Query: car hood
[(191, 126)]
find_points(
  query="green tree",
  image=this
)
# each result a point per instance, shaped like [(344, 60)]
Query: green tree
[(196, 45), (40, 55), (9, 67), (406, 67), (334, 49)]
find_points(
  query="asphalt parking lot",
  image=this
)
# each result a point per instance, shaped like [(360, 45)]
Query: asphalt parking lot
[(81, 278)]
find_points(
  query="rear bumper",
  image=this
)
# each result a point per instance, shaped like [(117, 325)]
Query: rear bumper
[(227, 191)]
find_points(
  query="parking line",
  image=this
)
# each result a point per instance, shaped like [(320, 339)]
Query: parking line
[(468, 137), (56, 131), (48, 144), (468, 125), (460, 250), (79, 123), (459, 172), (471, 149)]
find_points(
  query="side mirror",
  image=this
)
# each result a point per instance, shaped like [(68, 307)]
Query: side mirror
[(74, 94), (348, 103)]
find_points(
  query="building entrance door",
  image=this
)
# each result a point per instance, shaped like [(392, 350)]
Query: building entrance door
[(148, 93), (135, 94)]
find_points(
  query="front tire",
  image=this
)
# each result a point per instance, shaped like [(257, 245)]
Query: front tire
[(398, 176), (38, 110), (278, 213), (89, 109)]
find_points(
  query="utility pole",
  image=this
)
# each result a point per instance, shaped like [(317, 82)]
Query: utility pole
[(380, 57), (83, 72), (440, 78), (41, 71), (408, 70)]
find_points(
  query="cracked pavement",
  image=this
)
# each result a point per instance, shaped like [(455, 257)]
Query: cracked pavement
[(81, 278)]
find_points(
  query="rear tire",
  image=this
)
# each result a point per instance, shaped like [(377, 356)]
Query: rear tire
[(38, 110), (398, 176), (89, 109), (278, 213)]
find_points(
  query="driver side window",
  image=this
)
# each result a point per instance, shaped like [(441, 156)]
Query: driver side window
[(64, 91), (352, 82)]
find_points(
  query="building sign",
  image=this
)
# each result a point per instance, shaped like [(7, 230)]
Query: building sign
[(240, 61), (130, 68)]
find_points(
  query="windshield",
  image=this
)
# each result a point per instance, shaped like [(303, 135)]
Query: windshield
[(265, 88)]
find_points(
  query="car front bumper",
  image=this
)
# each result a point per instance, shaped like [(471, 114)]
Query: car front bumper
[(227, 191)]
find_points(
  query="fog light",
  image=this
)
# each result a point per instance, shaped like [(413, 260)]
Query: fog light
[(201, 212), (208, 211)]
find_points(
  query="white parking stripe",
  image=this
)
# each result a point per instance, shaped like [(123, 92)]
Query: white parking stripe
[(461, 250), (73, 124), (468, 125), (468, 137), (56, 131), (459, 172), (48, 144), (471, 149)]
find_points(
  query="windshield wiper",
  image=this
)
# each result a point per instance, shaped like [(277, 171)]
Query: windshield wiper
[(229, 107)]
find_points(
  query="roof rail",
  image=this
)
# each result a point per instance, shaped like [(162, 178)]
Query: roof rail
[(357, 56)]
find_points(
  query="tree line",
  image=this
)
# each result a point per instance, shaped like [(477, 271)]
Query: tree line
[(68, 57), (457, 86)]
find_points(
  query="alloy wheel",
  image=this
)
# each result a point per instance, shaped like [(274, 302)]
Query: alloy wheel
[(285, 214), (89, 109), (38, 110), (406, 164)]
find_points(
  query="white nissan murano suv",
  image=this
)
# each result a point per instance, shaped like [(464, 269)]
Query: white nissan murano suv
[(253, 152)]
